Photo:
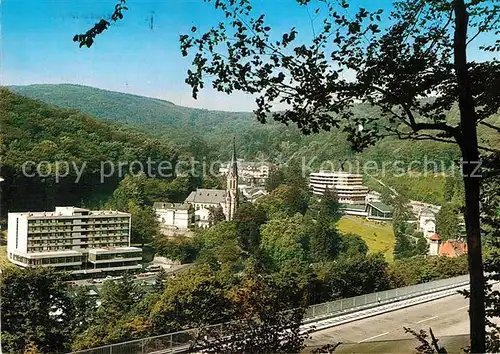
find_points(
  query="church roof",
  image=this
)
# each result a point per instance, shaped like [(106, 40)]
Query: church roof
[(168, 205), (233, 165), (207, 196)]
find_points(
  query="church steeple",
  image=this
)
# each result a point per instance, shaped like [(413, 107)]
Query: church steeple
[(234, 162), (232, 185)]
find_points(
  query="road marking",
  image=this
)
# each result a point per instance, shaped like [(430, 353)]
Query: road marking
[(426, 319), (463, 307), (378, 335)]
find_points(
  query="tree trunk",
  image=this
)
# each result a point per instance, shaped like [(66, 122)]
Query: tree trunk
[(470, 153)]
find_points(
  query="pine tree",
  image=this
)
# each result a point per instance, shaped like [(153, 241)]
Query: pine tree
[(403, 248), (449, 189), (447, 222)]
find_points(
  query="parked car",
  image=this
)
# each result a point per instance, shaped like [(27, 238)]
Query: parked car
[(153, 268)]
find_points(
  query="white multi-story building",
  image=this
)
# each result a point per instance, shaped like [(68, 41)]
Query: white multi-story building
[(349, 187), (73, 239), (175, 218)]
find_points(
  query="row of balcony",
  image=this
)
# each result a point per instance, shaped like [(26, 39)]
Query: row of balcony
[(58, 230)]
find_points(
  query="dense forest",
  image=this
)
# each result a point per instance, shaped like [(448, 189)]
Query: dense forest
[(285, 250), (276, 256), (36, 132), (205, 134)]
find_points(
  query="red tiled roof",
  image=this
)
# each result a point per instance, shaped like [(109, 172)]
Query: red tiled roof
[(452, 248), (434, 237)]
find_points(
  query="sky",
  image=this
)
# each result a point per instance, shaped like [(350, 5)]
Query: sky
[(140, 54)]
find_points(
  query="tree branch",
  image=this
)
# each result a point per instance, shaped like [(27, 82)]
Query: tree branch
[(483, 27), (489, 125), (416, 127)]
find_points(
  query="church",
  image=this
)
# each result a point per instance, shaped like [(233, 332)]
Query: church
[(200, 202)]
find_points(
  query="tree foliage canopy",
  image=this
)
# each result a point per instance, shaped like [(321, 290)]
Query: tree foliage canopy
[(36, 310)]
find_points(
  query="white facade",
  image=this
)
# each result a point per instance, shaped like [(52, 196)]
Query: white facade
[(202, 217), (434, 242), (176, 216), (349, 187), (426, 223), (433, 248), (73, 239)]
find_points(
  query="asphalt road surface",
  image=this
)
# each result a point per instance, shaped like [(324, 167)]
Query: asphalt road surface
[(448, 317)]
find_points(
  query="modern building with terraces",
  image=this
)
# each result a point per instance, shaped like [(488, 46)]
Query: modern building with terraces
[(352, 195), (348, 186), (73, 239)]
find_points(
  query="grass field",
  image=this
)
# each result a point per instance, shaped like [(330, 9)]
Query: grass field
[(378, 236), (423, 188), (4, 262)]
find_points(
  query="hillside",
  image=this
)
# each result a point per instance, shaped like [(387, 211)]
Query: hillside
[(151, 113), (34, 131), (180, 125), (207, 135), (379, 236)]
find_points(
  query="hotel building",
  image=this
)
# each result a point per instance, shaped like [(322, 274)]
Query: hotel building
[(73, 239), (349, 187)]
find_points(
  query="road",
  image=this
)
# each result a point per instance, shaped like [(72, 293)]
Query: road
[(448, 318), (148, 278)]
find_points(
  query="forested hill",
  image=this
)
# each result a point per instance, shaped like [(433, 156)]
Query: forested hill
[(208, 135), (34, 131), (128, 108), (198, 131)]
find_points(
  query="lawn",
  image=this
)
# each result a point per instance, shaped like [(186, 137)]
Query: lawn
[(4, 262), (423, 188), (378, 236)]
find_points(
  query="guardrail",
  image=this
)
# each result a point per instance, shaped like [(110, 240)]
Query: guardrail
[(332, 308), (179, 341)]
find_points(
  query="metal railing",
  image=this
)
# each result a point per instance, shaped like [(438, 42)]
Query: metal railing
[(332, 308), (179, 341)]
